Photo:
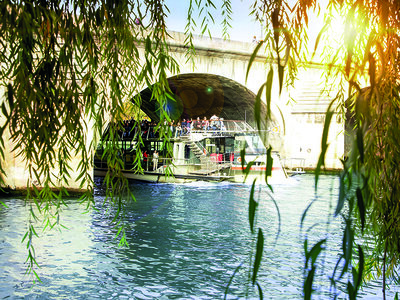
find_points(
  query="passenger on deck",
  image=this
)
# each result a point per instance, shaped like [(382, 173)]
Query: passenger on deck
[(144, 127), (155, 160), (221, 125), (189, 125), (178, 130), (151, 129), (205, 124), (184, 126), (145, 160), (197, 124), (172, 127), (214, 124)]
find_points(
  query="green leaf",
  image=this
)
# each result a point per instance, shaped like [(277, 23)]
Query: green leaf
[(242, 157), (270, 162), (10, 95), (307, 287), (372, 70), (324, 142), (246, 171), (23, 239), (361, 207), (342, 194), (4, 110), (252, 207), (252, 58), (231, 279), (313, 255), (279, 217), (361, 263), (305, 248), (3, 204), (281, 70), (303, 216), (259, 253), (320, 33), (257, 106), (268, 91), (315, 251), (260, 291), (360, 144), (36, 275)]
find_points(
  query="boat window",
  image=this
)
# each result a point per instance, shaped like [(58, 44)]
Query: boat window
[(252, 144)]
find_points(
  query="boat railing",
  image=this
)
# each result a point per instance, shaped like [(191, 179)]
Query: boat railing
[(217, 127), (294, 165), (221, 128)]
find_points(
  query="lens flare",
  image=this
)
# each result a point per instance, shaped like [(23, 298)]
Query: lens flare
[(209, 90)]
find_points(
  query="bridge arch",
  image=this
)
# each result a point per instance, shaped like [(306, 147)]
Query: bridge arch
[(203, 95)]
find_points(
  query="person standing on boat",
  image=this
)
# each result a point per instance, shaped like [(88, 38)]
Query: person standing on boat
[(222, 126), (178, 130), (205, 124), (155, 160), (145, 160), (184, 126), (197, 124), (172, 127), (189, 125), (214, 122)]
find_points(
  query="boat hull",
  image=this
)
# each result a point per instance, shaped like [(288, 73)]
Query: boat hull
[(234, 174)]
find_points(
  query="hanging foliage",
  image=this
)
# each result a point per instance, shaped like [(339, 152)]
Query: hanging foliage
[(68, 67)]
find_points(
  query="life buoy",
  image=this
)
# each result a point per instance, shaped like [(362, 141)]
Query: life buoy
[(239, 159)]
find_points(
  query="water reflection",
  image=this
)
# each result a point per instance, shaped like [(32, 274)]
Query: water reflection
[(185, 241)]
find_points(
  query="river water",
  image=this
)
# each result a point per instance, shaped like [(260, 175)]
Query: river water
[(185, 242)]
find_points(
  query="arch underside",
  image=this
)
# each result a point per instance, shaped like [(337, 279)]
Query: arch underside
[(203, 95)]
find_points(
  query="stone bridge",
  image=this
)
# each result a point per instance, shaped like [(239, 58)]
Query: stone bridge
[(298, 112)]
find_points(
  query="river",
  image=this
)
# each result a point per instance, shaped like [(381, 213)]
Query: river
[(185, 242)]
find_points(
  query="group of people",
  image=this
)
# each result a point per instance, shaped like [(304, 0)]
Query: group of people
[(145, 159), (190, 125), (130, 127)]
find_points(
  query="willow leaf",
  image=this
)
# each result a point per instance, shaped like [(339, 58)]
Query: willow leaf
[(324, 143), (259, 253), (260, 291), (281, 72), (257, 106), (342, 194), (252, 207), (361, 207), (268, 91), (231, 279), (360, 144), (252, 58), (242, 157), (308, 284)]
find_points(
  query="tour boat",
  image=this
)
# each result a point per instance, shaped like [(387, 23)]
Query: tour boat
[(206, 154)]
